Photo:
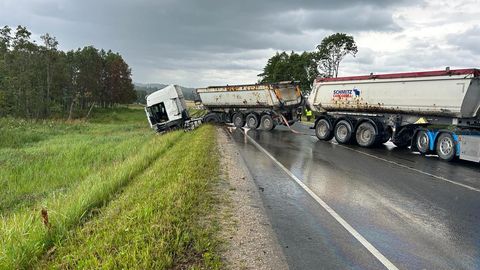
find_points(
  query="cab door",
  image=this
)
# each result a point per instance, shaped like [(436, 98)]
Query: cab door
[(174, 112)]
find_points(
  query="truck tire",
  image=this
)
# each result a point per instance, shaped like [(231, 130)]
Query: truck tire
[(211, 118), (366, 134), (238, 120), (267, 122), (446, 146), (324, 130), (422, 141), (252, 121), (343, 132)]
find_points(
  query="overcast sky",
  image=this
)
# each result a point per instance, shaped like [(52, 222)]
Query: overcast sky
[(206, 42)]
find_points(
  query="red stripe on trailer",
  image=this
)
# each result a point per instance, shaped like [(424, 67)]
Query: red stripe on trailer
[(474, 72)]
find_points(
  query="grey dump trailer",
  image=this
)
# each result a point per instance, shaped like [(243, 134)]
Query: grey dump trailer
[(254, 105), (431, 112)]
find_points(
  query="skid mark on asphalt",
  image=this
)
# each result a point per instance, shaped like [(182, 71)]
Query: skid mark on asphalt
[(380, 257)]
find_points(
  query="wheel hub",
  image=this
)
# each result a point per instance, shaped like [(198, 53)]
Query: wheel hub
[(323, 129), (422, 142), (342, 132), (446, 146), (365, 135), (267, 123)]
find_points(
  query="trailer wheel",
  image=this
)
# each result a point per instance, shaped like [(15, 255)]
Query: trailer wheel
[(252, 121), (267, 122), (366, 134), (446, 146), (422, 141), (323, 130), (343, 132), (211, 118), (238, 120)]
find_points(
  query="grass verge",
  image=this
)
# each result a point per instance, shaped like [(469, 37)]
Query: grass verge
[(26, 235), (62, 183), (159, 221), (42, 158)]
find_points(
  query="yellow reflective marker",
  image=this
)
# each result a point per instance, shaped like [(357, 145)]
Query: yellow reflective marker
[(421, 120)]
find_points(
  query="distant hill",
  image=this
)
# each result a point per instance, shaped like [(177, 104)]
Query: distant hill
[(144, 89)]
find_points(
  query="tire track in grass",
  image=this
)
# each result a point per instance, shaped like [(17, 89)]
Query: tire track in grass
[(24, 237), (158, 221)]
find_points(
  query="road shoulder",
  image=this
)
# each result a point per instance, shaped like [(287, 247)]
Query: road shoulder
[(249, 241)]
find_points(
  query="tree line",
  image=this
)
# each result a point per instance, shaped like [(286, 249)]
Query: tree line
[(305, 67), (40, 81)]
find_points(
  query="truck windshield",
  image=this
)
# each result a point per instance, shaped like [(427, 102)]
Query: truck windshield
[(158, 114)]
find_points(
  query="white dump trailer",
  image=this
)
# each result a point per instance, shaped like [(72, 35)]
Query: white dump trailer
[(255, 105), (454, 93), (403, 107)]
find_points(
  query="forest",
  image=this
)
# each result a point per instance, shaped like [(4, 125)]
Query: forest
[(40, 81)]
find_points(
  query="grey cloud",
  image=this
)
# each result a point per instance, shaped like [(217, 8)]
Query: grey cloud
[(468, 40), (430, 57), (193, 35), (352, 19)]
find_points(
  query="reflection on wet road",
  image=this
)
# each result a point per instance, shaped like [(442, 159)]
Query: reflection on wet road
[(398, 201)]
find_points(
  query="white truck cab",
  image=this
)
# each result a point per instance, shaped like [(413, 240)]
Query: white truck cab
[(166, 109)]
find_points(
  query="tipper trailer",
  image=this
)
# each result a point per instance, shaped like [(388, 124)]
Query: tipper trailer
[(254, 105), (433, 112)]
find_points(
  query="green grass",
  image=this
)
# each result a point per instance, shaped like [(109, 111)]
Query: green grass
[(196, 113), (156, 222), (38, 159), (124, 115), (83, 173)]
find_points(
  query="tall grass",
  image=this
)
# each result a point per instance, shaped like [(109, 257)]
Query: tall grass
[(41, 158), (23, 236), (125, 115), (32, 173), (92, 183), (158, 221), (42, 161)]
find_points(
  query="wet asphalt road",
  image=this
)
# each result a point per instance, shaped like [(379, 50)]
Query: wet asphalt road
[(418, 212)]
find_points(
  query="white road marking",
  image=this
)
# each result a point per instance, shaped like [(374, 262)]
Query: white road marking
[(389, 265), (412, 169)]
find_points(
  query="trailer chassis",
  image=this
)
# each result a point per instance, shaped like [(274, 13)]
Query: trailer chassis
[(448, 137)]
